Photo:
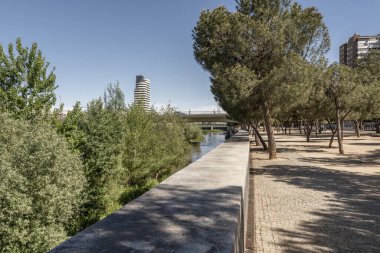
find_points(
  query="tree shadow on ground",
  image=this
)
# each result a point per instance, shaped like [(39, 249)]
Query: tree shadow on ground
[(375, 154), (305, 150), (256, 148), (370, 159), (300, 141), (350, 222), (168, 218), (365, 144)]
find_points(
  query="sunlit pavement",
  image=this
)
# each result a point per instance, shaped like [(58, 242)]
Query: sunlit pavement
[(313, 200)]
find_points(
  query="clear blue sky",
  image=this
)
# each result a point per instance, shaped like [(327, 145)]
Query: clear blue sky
[(95, 42)]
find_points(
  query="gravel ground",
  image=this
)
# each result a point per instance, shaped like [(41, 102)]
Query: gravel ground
[(313, 200)]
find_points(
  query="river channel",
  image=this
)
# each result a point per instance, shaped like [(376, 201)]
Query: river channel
[(211, 140)]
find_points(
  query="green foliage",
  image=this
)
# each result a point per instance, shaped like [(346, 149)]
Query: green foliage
[(124, 151), (193, 133), (155, 144), (41, 187), (56, 117), (52, 186), (369, 73), (114, 97), (343, 87), (257, 56), (72, 127), (98, 134), (134, 191), (26, 84)]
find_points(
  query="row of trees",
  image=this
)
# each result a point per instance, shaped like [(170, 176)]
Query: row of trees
[(60, 174), (267, 63)]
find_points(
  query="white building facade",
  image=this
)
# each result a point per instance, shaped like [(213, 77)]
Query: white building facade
[(142, 92), (357, 47)]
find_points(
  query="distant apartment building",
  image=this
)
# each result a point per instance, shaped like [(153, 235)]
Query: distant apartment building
[(142, 92), (343, 54), (356, 48)]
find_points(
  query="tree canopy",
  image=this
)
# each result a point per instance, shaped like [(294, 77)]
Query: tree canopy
[(114, 97), (41, 187), (261, 39), (27, 83)]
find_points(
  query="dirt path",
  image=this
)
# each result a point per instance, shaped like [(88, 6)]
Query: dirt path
[(312, 200)]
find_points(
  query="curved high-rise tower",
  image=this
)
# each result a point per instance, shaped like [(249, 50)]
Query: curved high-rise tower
[(142, 92)]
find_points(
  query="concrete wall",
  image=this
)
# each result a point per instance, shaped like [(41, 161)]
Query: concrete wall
[(201, 208)]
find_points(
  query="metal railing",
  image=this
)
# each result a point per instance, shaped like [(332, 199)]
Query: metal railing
[(203, 112)]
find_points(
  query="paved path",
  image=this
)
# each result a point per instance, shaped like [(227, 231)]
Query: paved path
[(313, 200)]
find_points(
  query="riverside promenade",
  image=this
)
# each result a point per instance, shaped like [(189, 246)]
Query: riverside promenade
[(313, 200), (200, 209)]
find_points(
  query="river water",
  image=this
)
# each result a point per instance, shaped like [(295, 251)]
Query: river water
[(211, 140)]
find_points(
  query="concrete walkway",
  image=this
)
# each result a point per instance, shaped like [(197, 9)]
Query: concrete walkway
[(312, 200), (199, 209)]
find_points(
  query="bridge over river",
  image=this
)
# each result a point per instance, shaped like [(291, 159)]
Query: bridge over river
[(209, 119), (207, 116)]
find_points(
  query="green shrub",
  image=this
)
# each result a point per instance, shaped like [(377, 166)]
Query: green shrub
[(98, 135), (132, 192), (155, 145), (193, 133), (41, 187), (125, 152)]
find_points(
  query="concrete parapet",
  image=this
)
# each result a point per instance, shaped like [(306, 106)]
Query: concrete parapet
[(201, 208)]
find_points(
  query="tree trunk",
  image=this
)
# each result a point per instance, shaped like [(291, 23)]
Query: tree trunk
[(300, 127), (333, 132), (308, 131), (342, 130), (338, 128), (316, 128), (257, 141), (332, 138), (357, 129), (252, 132), (377, 126), (290, 129), (268, 125), (258, 135)]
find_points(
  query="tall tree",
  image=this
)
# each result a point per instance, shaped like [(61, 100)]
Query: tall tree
[(100, 137), (263, 36), (369, 72), (41, 187), (27, 83), (234, 90), (344, 90), (72, 127), (313, 104), (114, 97)]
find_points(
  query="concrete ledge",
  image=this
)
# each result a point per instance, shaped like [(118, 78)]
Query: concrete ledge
[(201, 208)]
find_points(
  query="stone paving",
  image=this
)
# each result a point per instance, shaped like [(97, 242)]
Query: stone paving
[(313, 200)]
